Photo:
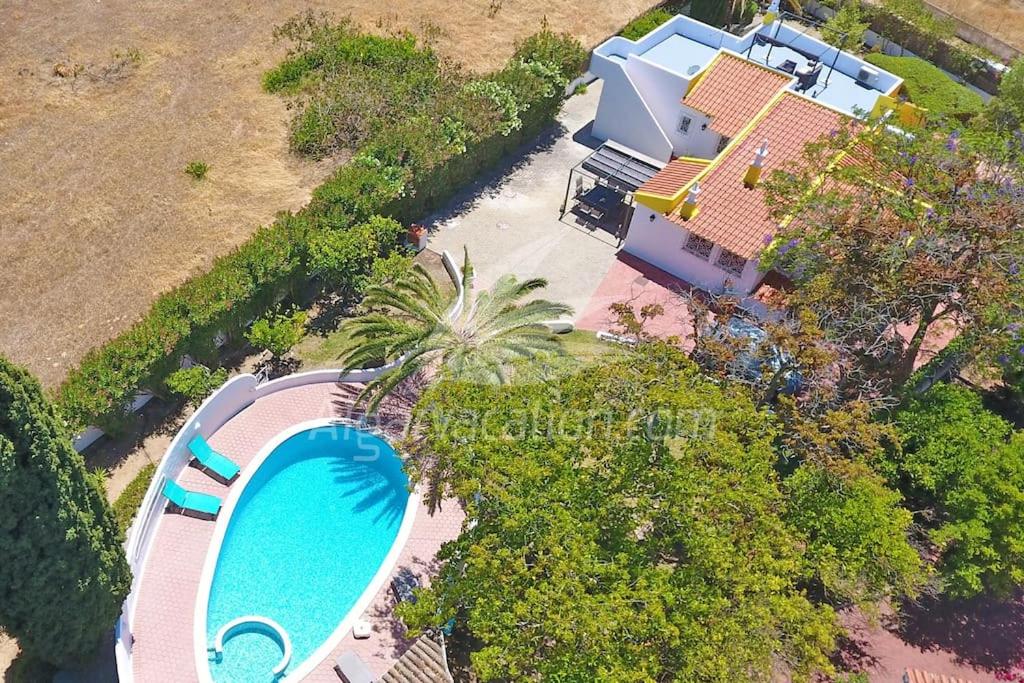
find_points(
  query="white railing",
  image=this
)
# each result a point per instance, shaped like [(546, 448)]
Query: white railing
[(230, 399)]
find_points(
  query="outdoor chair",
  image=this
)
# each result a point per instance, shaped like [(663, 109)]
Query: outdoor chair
[(403, 585), (191, 503), (212, 462), (352, 669)]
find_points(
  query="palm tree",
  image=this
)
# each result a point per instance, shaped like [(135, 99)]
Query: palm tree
[(412, 320)]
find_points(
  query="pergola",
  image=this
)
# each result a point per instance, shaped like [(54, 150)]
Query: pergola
[(601, 187)]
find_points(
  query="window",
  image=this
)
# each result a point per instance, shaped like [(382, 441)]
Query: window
[(684, 124), (731, 263), (722, 143), (698, 246)]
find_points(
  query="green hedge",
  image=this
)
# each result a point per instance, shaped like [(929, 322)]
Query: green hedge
[(912, 25), (645, 23), (127, 504), (929, 87), (405, 171)]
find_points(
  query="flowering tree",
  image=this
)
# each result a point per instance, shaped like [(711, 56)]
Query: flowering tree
[(902, 239)]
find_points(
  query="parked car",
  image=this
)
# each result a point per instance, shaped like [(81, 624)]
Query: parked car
[(750, 364)]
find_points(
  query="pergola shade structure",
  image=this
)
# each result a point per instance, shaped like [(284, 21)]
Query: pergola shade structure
[(604, 185)]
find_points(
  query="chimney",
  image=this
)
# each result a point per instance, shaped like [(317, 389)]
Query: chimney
[(753, 175), (690, 208)]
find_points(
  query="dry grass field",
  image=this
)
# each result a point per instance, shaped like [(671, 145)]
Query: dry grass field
[(1003, 19), (104, 102)]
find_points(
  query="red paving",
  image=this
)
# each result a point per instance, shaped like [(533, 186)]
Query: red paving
[(163, 625), (883, 655), (640, 284)]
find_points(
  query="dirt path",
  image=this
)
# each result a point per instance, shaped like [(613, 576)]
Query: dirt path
[(104, 102)]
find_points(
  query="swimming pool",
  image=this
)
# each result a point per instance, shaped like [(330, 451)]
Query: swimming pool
[(312, 530)]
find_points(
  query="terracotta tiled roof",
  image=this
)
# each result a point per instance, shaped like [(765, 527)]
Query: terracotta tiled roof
[(916, 676), (733, 91), (424, 662), (735, 216), (673, 177)]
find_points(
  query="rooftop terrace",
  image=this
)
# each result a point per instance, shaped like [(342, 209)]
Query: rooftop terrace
[(683, 47)]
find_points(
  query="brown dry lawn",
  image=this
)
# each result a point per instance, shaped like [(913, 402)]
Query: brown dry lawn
[(103, 103), (1003, 19)]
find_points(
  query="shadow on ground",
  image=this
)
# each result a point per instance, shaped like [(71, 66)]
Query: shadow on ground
[(983, 632), (492, 182)]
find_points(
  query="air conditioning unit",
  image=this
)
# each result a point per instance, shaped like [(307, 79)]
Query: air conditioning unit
[(867, 75)]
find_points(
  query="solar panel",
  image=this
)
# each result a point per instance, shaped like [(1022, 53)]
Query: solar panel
[(619, 168)]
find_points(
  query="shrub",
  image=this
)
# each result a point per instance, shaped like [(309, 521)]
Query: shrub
[(194, 384), (343, 259), (845, 29), (127, 504), (278, 332), (928, 87), (1011, 89), (197, 169), (560, 49), (240, 286), (645, 23), (387, 270), (931, 28), (64, 574)]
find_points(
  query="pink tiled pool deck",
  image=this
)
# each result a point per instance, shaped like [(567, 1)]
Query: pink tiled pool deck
[(162, 629)]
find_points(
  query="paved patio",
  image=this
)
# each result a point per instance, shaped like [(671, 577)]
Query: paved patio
[(638, 283), (163, 626), (510, 221)]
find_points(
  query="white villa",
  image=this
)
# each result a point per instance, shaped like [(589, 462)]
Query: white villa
[(692, 116)]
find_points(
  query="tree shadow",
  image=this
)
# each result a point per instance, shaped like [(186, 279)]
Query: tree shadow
[(492, 183), (384, 614), (385, 494), (851, 654), (985, 632), (157, 418)]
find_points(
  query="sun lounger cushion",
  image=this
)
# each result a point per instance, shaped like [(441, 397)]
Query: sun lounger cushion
[(211, 459), (191, 500), (352, 669)]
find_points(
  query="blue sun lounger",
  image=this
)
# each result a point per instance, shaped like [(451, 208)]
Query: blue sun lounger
[(191, 501), (211, 460)]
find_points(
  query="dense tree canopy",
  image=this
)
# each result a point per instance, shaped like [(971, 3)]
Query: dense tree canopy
[(63, 574), (936, 247), (964, 467), (629, 524)]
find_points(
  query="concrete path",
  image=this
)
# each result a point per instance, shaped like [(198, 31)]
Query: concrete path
[(510, 221)]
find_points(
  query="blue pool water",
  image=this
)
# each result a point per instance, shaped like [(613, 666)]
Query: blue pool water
[(308, 534)]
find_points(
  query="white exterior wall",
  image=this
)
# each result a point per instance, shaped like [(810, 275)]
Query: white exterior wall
[(624, 117), (700, 141), (660, 243), (663, 92)]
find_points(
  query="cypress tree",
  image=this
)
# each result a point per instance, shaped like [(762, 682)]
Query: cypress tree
[(63, 572)]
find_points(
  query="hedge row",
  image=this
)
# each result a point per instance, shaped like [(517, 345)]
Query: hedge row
[(402, 173), (928, 86)]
